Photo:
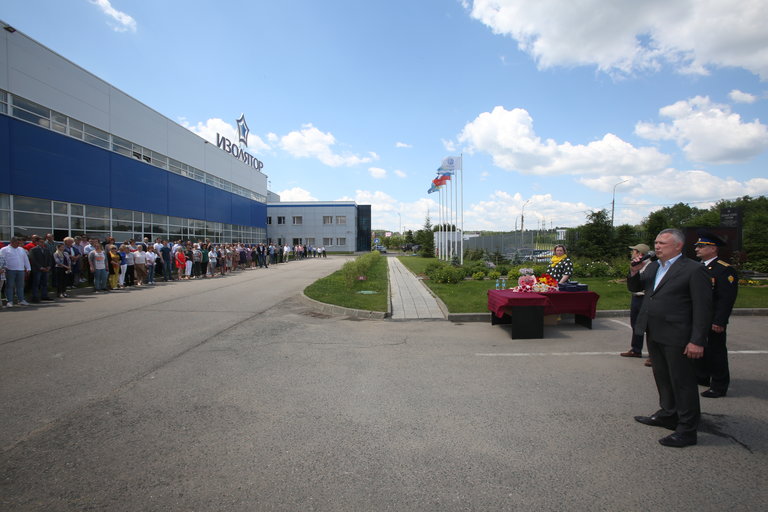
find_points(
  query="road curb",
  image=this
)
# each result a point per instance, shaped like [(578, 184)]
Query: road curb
[(331, 309)]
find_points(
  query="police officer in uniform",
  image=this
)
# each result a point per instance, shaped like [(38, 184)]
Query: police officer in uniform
[(712, 369)]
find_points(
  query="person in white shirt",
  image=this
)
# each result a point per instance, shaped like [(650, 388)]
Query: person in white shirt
[(150, 256), (140, 264), (212, 255), (16, 269)]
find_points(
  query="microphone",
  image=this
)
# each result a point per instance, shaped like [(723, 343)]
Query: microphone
[(649, 256)]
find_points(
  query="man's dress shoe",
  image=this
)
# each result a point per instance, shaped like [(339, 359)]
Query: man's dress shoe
[(678, 440), (655, 421), (711, 393)]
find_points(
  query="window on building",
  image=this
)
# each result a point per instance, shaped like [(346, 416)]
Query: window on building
[(310, 241), (298, 220), (31, 204), (58, 122), (341, 219), (32, 112), (95, 136), (269, 220), (327, 219), (281, 220), (341, 241), (327, 241)]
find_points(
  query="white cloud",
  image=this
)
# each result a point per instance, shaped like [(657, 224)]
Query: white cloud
[(738, 96), (213, 126), (377, 172), (124, 22), (296, 194), (708, 132), (309, 142), (402, 145), (484, 175), (623, 36), (508, 136), (674, 185), (400, 174), (502, 211)]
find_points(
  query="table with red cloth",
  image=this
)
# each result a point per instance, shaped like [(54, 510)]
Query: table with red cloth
[(525, 311)]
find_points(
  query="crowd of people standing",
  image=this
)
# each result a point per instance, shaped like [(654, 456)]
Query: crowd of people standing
[(41, 262)]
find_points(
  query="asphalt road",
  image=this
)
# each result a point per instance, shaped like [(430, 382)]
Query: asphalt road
[(231, 395)]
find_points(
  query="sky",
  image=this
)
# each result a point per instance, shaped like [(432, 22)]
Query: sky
[(554, 105)]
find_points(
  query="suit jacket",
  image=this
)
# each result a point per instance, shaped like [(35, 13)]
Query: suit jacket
[(679, 310), (40, 257), (725, 286)]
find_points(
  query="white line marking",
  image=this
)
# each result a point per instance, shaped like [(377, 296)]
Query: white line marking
[(625, 324), (539, 354)]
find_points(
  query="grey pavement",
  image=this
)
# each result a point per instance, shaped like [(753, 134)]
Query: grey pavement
[(232, 395), (409, 298)]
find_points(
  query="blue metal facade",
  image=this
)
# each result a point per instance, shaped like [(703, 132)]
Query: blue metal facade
[(38, 162)]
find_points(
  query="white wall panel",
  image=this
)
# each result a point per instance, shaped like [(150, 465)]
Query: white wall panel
[(138, 123), (185, 146), (4, 59), (44, 77)]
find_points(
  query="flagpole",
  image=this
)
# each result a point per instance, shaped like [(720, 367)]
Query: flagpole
[(455, 188), (440, 250), (461, 178)]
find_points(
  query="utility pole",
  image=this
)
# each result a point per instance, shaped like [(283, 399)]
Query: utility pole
[(522, 223), (613, 200)]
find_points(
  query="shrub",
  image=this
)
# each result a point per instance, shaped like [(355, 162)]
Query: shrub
[(448, 275), (432, 267), (360, 266), (494, 275), (594, 269), (757, 265), (503, 270), (478, 276)]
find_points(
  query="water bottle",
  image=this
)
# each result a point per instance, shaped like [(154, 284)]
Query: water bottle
[(497, 284)]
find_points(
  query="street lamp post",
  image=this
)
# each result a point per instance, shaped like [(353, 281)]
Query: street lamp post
[(522, 224), (613, 199)]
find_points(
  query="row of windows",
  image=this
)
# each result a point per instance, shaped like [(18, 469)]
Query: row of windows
[(25, 216), (298, 220), (340, 219), (29, 111)]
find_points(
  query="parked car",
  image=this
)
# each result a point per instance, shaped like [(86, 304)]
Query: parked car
[(380, 248)]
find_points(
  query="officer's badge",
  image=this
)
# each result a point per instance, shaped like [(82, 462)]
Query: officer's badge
[(730, 279)]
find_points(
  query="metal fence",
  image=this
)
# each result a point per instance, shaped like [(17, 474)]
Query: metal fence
[(520, 243)]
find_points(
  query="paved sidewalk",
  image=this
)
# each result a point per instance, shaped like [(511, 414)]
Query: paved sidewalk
[(411, 300)]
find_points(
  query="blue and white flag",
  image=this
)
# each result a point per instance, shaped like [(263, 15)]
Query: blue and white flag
[(450, 163)]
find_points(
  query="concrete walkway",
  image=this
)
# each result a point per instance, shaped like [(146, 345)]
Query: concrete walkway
[(410, 299)]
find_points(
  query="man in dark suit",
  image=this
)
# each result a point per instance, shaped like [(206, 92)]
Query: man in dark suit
[(676, 316), (713, 367)]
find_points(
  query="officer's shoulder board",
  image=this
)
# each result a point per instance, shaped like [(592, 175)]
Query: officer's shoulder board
[(724, 263)]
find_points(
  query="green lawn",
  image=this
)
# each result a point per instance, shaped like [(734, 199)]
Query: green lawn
[(333, 289), (471, 296)]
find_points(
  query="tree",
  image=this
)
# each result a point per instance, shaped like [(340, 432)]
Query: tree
[(626, 236), (677, 216), (425, 238), (596, 238), (409, 237)]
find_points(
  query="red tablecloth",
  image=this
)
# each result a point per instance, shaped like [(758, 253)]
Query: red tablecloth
[(578, 303)]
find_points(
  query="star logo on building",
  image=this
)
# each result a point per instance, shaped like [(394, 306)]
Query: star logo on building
[(242, 130)]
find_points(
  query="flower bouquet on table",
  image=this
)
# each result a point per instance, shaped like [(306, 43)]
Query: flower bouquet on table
[(528, 282)]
